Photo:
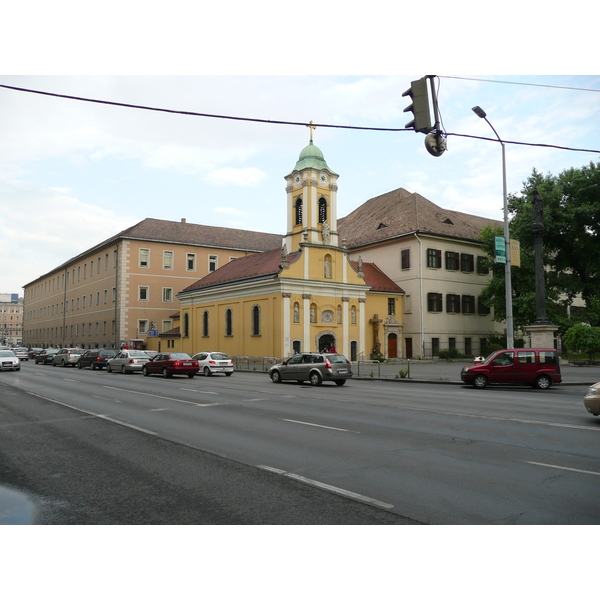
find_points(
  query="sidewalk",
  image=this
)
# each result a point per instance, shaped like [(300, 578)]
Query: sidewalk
[(442, 371)]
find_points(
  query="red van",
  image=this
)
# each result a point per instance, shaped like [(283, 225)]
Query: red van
[(539, 367)]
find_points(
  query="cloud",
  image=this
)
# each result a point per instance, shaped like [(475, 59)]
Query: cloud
[(241, 177)]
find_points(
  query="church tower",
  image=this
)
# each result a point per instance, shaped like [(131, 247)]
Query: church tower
[(311, 201)]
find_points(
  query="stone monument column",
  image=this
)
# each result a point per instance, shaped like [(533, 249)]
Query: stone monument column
[(541, 330)]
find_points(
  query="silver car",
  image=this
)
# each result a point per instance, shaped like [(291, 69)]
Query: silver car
[(9, 361), (21, 353), (67, 357), (214, 362), (317, 367), (127, 361)]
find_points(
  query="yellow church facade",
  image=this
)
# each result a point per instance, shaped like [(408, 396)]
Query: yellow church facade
[(307, 297)]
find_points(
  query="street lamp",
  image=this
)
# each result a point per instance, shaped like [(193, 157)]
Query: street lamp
[(510, 337)]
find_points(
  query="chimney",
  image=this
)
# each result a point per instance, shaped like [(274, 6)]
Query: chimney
[(183, 221)]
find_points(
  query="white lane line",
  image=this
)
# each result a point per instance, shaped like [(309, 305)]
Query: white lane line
[(198, 391), (315, 425), (563, 468), (157, 409), (73, 380), (328, 487), (163, 397)]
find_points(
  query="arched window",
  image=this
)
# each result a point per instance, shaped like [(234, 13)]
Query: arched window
[(205, 324), (322, 210), (186, 324), (228, 322), (256, 320), (298, 207)]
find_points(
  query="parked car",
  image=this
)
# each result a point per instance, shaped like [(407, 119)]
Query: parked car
[(33, 352), (168, 364), (127, 361), (317, 367), (96, 358), (66, 357), (9, 361), (214, 362), (539, 367), (21, 353), (592, 399), (45, 356)]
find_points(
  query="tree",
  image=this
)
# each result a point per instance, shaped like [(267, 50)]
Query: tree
[(583, 338), (571, 248)]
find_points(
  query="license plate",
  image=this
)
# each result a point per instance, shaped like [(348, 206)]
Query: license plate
[(187, 364), (7, 364), (342, 371)]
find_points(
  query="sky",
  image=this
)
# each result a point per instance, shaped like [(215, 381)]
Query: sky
[(74, 173)]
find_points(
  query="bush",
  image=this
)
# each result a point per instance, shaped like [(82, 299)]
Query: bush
[(448, 354)]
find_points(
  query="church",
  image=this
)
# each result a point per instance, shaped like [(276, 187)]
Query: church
[(306, 296)]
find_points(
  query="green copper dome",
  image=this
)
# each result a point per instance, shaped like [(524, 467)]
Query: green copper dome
[(312, 158)]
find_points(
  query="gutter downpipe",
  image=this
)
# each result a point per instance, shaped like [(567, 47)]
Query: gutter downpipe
[(421, 293)]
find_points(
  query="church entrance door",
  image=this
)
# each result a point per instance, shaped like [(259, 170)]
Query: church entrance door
[(392, 346)]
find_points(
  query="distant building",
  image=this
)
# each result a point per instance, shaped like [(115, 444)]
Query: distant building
[(11, 320), (123, 290)]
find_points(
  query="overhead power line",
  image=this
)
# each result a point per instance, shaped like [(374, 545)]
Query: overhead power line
[(544, 85), (270, 121)]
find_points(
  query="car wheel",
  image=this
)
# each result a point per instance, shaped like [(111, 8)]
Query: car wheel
[(79, 366), (207, 372), (124, 370), (191, 375), (166, 373), (145, 372), (53, 364), (229, 374), (276, 377), (340, 381), (315, 378), (480, 382), (108, 369), (543, 382)]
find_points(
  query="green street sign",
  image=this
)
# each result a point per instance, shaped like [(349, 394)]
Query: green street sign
[(500, 250)]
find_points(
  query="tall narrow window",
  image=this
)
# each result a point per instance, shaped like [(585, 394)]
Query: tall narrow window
[(167, 294), (391, 306), (434, 258), (405, 258), (144, 257), (212, 263), (256, 320), (186, 324), (298, 207), (191, 262), (228, 323), (167, 259), (205, 324), (322, 210)]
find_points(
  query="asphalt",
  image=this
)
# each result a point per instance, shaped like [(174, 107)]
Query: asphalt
[(442, 371)]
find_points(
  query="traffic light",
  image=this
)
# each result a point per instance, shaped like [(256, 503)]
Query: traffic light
[(419, 106)]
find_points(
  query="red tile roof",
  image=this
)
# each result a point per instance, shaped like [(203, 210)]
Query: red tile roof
[(255, 266), (377, 279)]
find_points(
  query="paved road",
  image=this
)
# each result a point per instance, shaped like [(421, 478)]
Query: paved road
[(434, 454)]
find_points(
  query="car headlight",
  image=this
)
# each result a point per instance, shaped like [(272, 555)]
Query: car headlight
[(593, 390)]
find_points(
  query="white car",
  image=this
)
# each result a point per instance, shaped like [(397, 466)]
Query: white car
[(127, 361), (21, 353), (214, 362), (9, 361)]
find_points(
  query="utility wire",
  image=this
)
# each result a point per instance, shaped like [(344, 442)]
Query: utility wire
[(273, 122), (558, 87)]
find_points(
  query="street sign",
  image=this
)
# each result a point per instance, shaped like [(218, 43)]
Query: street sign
[(500, 250), (515, 253)]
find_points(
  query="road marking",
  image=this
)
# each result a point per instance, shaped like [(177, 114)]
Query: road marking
[(315, 425), (73, 380), (163, 397), (198, 391), (157, 409), (563, 468), (328, 487)]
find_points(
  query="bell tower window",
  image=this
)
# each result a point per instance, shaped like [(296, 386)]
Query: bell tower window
[(322, 210), (298, 207)]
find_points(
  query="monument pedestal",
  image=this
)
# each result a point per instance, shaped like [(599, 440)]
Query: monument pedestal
[(542, 334)]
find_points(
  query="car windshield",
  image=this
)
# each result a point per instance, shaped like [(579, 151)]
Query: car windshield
[(138, 354), (6, 353), (178, 355), (219, 356)]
